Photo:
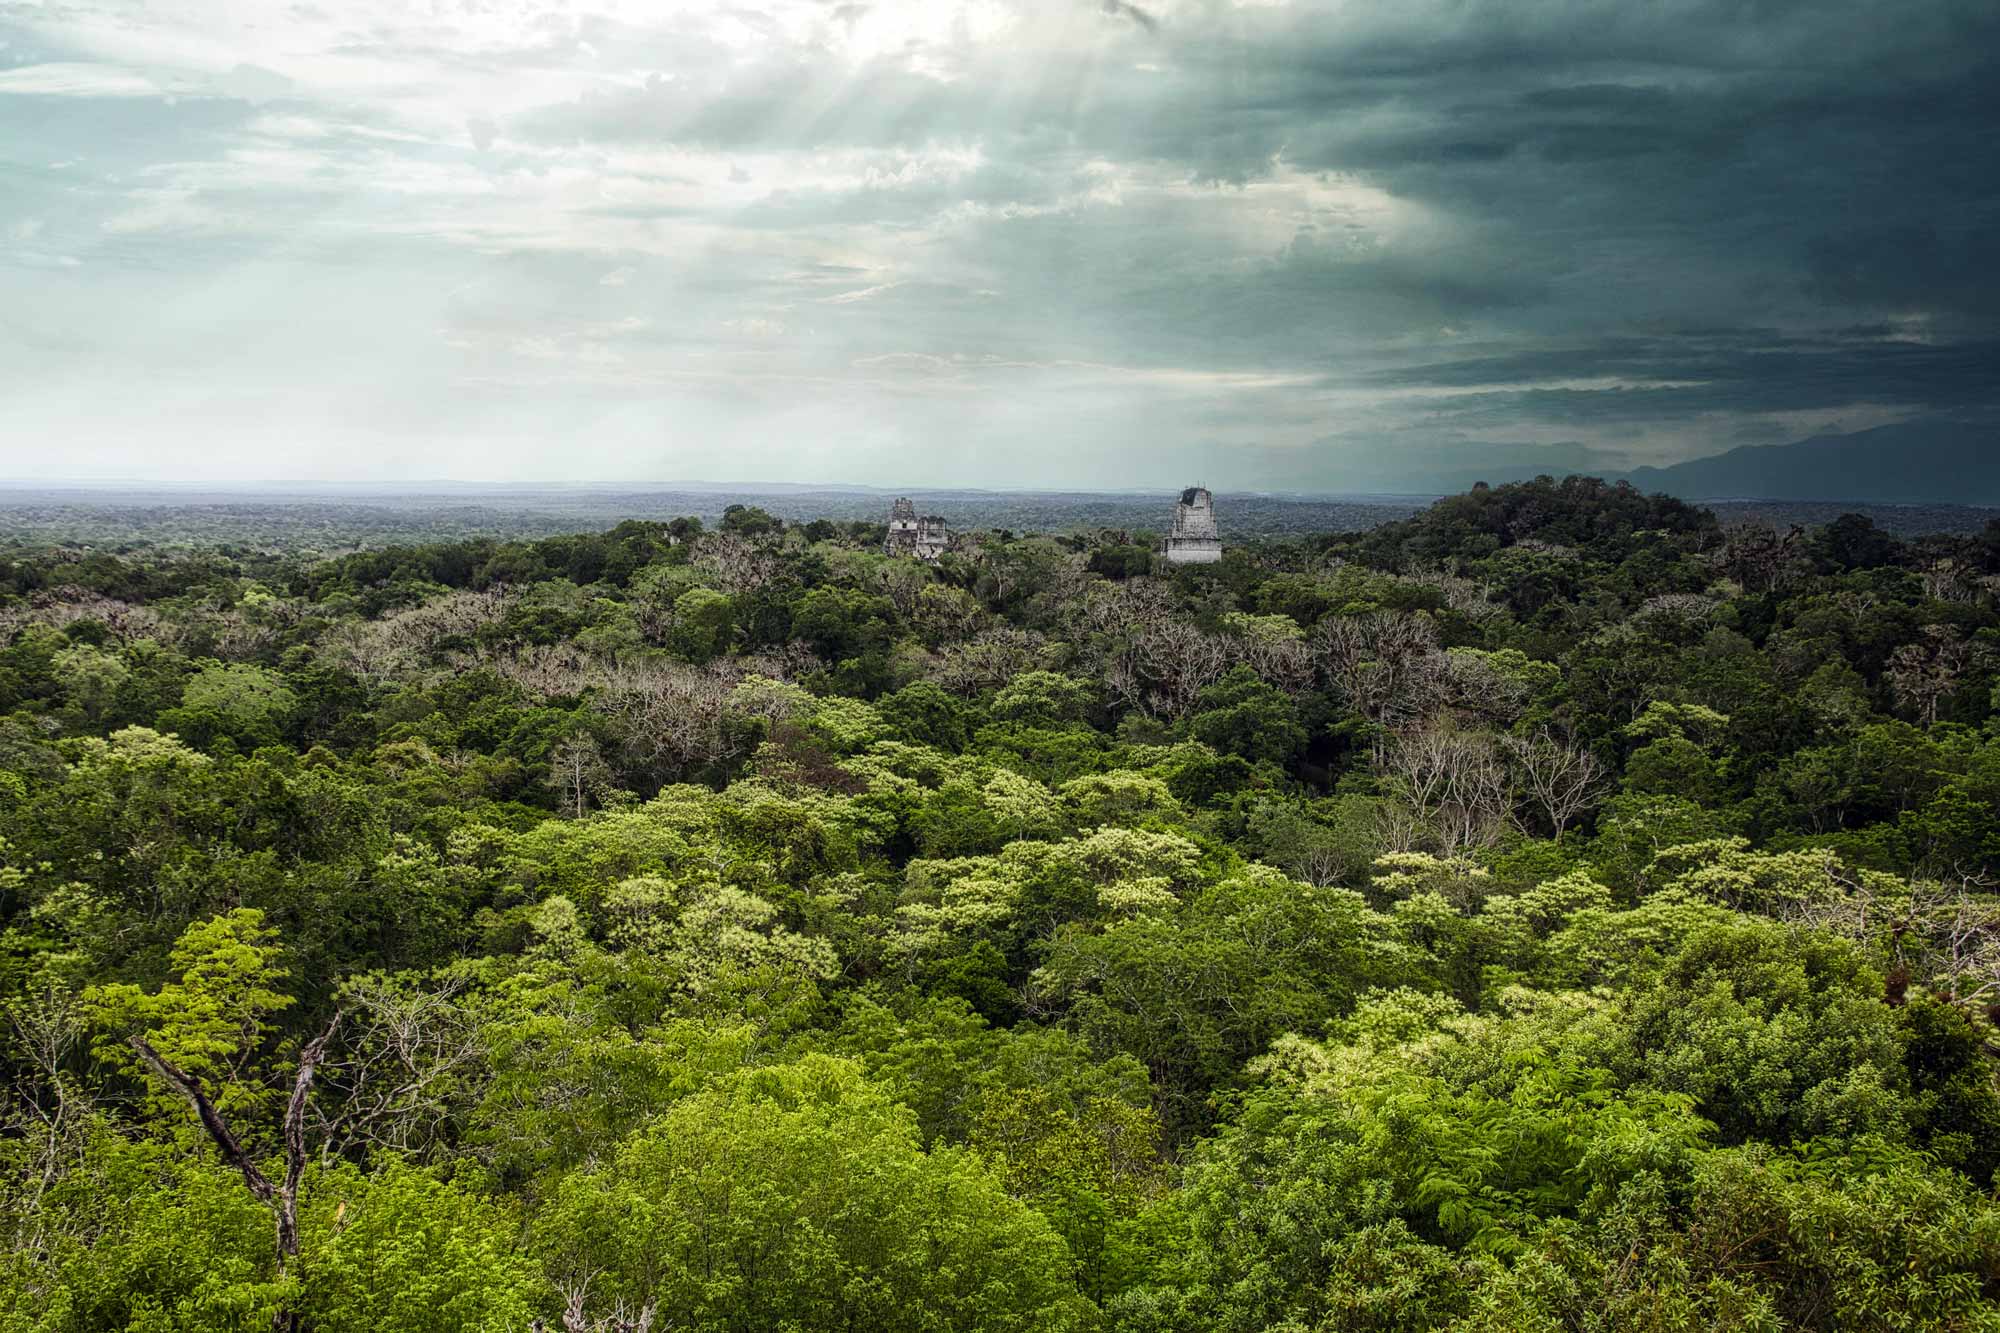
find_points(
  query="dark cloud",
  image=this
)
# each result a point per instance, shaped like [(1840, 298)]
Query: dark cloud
[(1687, 161), (1951, 265), (1424, 226), (1122, 9), (1742, 376)]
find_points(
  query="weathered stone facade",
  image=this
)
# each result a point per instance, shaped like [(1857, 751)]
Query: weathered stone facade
[(1193, 539), (924, 537)]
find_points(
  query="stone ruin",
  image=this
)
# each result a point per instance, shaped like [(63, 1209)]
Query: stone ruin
[(923, 537), (1193, 540)]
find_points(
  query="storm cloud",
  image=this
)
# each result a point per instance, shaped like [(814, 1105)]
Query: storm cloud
[(1312, 245)]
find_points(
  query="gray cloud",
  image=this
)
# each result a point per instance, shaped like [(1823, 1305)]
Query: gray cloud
[(1130, 11), (900, 238)]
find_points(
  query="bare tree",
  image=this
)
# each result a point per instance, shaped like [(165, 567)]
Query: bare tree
[(1471, 598), (1385, 665), (68, 603), (1452, 783), (1280, 659), (788, 661), (671, 719), (1924, 673), (1111, 608), (1676, 611), (734, 565), (990, 660), (1474, 688), (622, 1317), (49, 1113), (1558, 780), (1165, 667), (407, 641), (1321, 866), (1399, 827), (1945, 936), (548, 670), (415, 1060), (1947, 578), (1760, 559), (281, 1197), (577, 770), (1953, 933)]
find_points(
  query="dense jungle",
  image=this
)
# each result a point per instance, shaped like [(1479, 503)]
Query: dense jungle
[(1550, 911)]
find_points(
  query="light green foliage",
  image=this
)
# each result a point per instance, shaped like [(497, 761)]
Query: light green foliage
[(1417, 1127), (1548, 906), (233, 699), (1089, 1170), (1774, 1035), (1633, 830), (1775, 883), (1029, 888), (1043, 698), (947, 614), (1695, 723), (1194, 992), (583, 1048), (577, 858), (1535, 679), (398, 1248), (1458, 881), (772, 700), (794, 837), (133, 1236), (945, 1062), (1107, 869), (719, 945), (1601, 946), (1022, 808), (92, 679), (213, 1020), (1120, 798), (1766, 1242), (655, 591), (797, 1196), (846, 725), (1263, 630), (138, 753)]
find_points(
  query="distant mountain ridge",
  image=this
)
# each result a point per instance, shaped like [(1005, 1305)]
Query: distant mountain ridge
[(1926, 461)]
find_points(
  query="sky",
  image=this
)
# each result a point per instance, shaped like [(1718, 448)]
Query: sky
[(1329, 245)]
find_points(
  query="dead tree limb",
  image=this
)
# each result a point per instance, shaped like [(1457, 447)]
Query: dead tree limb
[(283, 1198), (211, 1120), (295, 1139)]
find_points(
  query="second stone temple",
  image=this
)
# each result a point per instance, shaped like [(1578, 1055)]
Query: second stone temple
[(924, 537), (1193, 540)]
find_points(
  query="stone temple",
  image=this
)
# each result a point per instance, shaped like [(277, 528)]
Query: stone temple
[(1193, 540), (925, 537)]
